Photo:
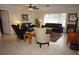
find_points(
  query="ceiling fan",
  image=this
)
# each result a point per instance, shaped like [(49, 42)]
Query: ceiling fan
[(31, 7)]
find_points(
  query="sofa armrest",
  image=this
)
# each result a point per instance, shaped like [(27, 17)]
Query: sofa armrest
[(58, 29)]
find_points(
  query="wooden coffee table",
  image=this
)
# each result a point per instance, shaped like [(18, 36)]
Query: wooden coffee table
[(29, 35)]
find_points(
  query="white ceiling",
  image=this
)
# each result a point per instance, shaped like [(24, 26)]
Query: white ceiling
[(43, 6)]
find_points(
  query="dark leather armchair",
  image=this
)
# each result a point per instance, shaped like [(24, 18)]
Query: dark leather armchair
[(18, 31)]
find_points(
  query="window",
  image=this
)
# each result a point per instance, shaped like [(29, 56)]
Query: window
[(55, 18)]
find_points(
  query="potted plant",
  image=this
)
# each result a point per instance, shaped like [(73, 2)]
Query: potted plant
[(37, 22)]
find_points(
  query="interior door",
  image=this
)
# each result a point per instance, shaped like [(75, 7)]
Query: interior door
[(1, 29), (5, 21)]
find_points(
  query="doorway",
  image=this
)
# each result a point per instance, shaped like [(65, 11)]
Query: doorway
[(1, 27), (4, 22)]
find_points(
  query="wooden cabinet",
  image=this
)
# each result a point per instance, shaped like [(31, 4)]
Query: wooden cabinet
[(70, 27), (72, 37)]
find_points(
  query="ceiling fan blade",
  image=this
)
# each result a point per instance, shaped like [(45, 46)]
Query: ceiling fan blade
[(35, 7)]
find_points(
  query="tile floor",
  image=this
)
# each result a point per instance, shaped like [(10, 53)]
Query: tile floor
[(10, 46)]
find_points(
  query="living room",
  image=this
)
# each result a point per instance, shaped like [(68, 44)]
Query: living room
[(43, 13)]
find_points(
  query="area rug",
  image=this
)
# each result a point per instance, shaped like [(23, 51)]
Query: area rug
[(55, 36)]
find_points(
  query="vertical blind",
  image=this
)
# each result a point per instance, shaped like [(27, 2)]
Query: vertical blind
[(55, 18)]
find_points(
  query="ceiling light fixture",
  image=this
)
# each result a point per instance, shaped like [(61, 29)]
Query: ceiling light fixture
[(30, 7)]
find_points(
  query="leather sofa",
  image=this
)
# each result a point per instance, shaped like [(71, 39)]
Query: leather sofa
[(27, 27), (55, 27)]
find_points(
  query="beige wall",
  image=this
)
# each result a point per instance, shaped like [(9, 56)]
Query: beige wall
[(15, 13)]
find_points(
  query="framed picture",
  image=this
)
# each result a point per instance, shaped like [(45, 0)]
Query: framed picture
[(72, 17), (24, 17)]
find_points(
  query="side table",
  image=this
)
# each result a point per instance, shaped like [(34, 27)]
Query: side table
[(29, 35)]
